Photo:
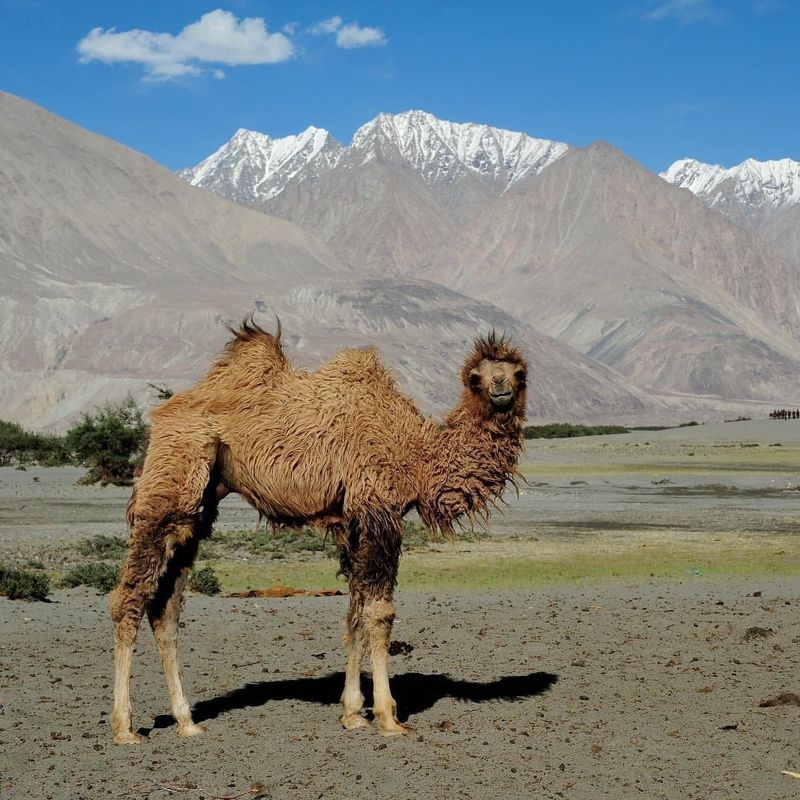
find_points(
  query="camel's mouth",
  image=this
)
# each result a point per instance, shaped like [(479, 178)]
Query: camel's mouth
[(503, 398)]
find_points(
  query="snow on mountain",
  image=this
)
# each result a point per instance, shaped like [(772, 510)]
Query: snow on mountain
[(440, 150), (750, 192), (253, 167)]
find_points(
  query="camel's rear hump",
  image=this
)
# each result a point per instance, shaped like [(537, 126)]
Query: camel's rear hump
[(357, 366)]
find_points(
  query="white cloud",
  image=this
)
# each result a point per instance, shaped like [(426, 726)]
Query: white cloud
[(327, 26), (351, 34), (217, 37), (687, 12)]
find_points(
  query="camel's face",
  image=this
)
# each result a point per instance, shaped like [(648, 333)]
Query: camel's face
[(498, 382)]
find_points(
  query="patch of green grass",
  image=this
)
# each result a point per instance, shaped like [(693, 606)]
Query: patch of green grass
[(523, 572), (318, 574), (509, 564), (98, 575), (20, 584)]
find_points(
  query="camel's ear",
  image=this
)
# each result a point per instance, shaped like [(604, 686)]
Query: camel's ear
[(474, 380)]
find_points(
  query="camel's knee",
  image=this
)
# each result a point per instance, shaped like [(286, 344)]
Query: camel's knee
[(380, 612)]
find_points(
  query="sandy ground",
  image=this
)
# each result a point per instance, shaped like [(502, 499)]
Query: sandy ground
[(602, 690)]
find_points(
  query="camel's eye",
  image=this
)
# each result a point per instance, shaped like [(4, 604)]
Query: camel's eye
[(519, 376), (474, 379)]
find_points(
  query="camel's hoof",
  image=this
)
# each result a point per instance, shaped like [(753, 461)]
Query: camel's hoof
[(354, 721), (128, 737), (191, 730), (395, 728)]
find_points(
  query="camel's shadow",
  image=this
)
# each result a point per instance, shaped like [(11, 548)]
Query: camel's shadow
[(414, 692)]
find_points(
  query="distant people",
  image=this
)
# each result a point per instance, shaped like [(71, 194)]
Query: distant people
[(785, 413)]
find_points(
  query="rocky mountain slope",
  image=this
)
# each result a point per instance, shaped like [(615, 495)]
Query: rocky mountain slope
[(114, 272), (602, 254)]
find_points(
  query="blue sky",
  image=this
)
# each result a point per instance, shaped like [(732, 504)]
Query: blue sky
[(718, 80)]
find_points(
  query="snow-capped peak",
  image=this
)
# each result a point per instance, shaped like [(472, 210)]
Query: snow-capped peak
[(751, 191), (439, 149), (253, 166), (691, 174)]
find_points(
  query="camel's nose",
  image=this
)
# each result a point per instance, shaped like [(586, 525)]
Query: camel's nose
[(498, 378)]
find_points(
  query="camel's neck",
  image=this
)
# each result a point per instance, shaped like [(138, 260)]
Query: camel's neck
[(466, 466)]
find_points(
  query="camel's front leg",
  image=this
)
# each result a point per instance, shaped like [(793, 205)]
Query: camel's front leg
[(378, 619), (352, 696)]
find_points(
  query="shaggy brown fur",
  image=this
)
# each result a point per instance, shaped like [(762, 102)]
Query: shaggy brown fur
[(340, 448)]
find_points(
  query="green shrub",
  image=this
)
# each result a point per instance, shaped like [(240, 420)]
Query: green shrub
[(109, 441), (18, 584), (565, 430), (112, 548), (99, 576), (204, 581), (18, 446), (273, 543)]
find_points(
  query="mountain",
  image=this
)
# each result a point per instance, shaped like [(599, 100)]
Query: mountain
[(442, 152), (607, 257), (582, 244), (781, 232), (252, 167), (749, 193), (114, 273), (411, 176)]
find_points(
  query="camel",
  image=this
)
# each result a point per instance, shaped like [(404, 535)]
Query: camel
[(341, 449)]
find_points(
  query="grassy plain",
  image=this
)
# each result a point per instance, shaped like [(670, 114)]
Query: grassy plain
[(704, 501)]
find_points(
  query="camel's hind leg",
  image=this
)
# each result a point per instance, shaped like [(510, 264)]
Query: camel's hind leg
[(169, 503), (140, 574), (164, 614)]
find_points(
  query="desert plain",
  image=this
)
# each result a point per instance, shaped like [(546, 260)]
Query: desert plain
[(612, 633)]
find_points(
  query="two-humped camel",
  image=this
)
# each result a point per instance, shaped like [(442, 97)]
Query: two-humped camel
[(341, 449)]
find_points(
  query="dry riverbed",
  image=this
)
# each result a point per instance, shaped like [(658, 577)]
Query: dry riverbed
[(612, 635)]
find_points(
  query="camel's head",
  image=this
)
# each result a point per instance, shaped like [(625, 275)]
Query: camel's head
[(495, 376)]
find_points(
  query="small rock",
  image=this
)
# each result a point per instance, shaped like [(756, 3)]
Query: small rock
[(757, 633)]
